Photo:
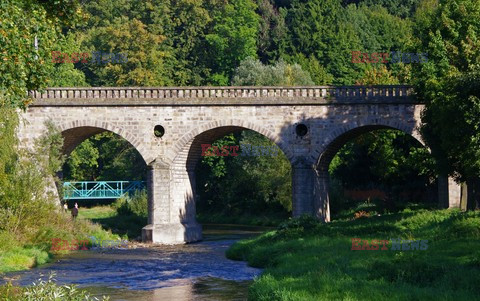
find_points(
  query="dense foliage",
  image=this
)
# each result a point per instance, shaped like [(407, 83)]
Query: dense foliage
[(252, 185), (450, 85), (203, 42), (105, 157), (28, 32)]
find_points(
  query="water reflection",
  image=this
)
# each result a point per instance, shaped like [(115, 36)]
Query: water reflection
[(196, 271), (206, 288)]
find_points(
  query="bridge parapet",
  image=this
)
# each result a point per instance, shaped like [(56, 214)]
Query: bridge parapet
[(327, 94)]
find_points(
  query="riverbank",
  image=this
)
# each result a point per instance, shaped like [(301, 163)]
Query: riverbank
[(23, 253), (309, 261)]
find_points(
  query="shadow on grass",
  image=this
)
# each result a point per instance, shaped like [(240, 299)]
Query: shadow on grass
[(123, 225)]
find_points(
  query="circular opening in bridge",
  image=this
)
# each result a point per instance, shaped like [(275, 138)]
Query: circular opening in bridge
[(301, 130), (159, 131)]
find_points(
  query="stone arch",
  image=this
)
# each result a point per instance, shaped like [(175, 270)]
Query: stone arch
[(341, 135), (186, 150), (76, 131), (332, 143)]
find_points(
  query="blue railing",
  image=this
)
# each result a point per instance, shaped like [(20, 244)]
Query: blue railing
[(99, 190)]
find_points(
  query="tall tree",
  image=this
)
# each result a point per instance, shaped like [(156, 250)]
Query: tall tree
[(449, 83), (272, 33), (232, 39), (144, 64), (323, 34)]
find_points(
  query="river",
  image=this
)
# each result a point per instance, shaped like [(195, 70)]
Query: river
[(196, 271)]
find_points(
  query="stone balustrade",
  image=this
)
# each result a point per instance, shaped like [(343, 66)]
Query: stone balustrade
[(396, 92)]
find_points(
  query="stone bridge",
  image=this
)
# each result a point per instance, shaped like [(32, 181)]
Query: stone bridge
[(168, 125)]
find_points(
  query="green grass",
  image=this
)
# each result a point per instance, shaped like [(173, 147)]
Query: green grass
[(96, 212), (20, 258), (308, 261), (20, 253), (125, 225)]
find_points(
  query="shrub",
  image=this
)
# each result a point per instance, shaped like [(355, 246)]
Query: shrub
[(295, 227), (139, 203), (46, 290), (121, 206)]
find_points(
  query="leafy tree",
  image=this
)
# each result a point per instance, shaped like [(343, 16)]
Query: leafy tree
[(232, 38), (389, 160), (244, 184), (65, 74), (185, 30), (319, 74), (180, 24), (272, 32), (252, 72), (27, 34), (449, 84), (145, 60), (323, 34), (399, 8), (82, 163), (380, 76), (25, 201), (104, 157)]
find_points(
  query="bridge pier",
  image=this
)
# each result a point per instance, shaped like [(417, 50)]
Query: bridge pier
[(310, 191), (321, 204), (170, 221), (449, 192)]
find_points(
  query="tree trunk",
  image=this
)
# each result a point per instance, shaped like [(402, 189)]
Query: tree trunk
[(463, 199), (473, 193)]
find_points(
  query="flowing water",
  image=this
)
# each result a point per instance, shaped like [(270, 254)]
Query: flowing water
[(197, 271)]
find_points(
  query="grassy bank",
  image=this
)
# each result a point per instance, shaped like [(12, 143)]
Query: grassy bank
[(23, 253), (125, 225), (309, 261)]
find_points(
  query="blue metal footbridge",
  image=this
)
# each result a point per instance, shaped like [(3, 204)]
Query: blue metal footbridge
[(90, 190)]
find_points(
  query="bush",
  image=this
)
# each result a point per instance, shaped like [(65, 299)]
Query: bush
[(137, 204), (121, 206), (296, 227)]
